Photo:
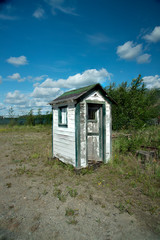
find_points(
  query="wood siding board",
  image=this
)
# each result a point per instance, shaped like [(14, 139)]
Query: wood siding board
[(67, 152), (65, 159), (104, 132), (86, 134), (64, 137), (95, 101), (66, 142), (83, 134), (77, 135), (63, 133)]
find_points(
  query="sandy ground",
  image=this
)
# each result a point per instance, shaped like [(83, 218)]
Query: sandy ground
[(38, 201)]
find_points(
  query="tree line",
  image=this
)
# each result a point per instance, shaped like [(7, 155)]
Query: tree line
[(27, 119), (136, 106)]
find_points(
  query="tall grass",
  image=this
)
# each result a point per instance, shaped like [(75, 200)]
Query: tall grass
[(126, 163)]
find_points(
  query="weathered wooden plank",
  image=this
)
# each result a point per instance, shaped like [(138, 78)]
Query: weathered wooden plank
[(65, 137), (95, 96), (63, 141), (66, 153), (65, 159)]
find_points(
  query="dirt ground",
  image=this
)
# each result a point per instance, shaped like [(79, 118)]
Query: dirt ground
[(40, 199)]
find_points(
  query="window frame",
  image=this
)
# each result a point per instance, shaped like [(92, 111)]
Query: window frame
[(89, 119), (60, 124)]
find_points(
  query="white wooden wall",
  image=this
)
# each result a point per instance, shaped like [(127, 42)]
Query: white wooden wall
[(64, 137)]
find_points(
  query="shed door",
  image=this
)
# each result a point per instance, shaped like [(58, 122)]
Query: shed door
[(94, 132)]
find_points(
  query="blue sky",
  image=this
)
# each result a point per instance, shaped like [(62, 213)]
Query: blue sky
[(50, 46)]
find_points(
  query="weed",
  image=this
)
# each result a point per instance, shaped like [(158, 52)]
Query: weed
[(58, 193), (98, 220), (17, 160), (71, 212), (90, 197), (133, 184), (72, 192), (58, 183), (153, 209), (121, 207), (45, 192), (8, 185), (35, 156), (23, 170), (72, 221)]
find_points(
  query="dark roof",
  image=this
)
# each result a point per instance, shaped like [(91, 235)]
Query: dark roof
[(79, 93)]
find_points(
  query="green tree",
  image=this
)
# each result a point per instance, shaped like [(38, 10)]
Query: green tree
[(11, 114), (135, 104), (39, 115), (30, 118)]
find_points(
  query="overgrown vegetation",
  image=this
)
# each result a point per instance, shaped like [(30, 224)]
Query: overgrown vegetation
[(128, 165), (136, 106)]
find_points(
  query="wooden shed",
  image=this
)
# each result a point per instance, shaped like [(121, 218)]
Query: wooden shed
[(82, 126)]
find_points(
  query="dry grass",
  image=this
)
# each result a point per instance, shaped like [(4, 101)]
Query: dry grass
[(123, 181)]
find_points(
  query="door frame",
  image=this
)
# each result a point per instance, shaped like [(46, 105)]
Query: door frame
[(102, 131)]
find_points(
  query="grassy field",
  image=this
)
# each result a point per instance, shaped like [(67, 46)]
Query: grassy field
[(121, 192)]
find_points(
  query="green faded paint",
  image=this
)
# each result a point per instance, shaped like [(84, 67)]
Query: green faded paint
[(78, 91), (104, 131), (60, 117), (92, 134), (77, 134), (100, 134), (95, 102)]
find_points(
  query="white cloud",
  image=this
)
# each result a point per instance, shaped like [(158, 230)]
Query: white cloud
[(0, 79), (41, 92), (61, 6), (2, 106), (36, 84), (17, 76), (129, 50), (154, 36), (17, 61), (15, 98), (7, 17), (49, 89), (39, 13), (40, 78), (145, 58), (88, 77), (7, 13), (97, 38), (152, 81)]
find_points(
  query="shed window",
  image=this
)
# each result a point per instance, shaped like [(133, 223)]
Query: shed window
[(62, 120), (92, 114)]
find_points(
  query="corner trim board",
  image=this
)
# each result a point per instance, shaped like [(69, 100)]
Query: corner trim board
[(77, 134)]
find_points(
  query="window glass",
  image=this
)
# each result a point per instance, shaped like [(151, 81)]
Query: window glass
[(62, 116), (92, 113)]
